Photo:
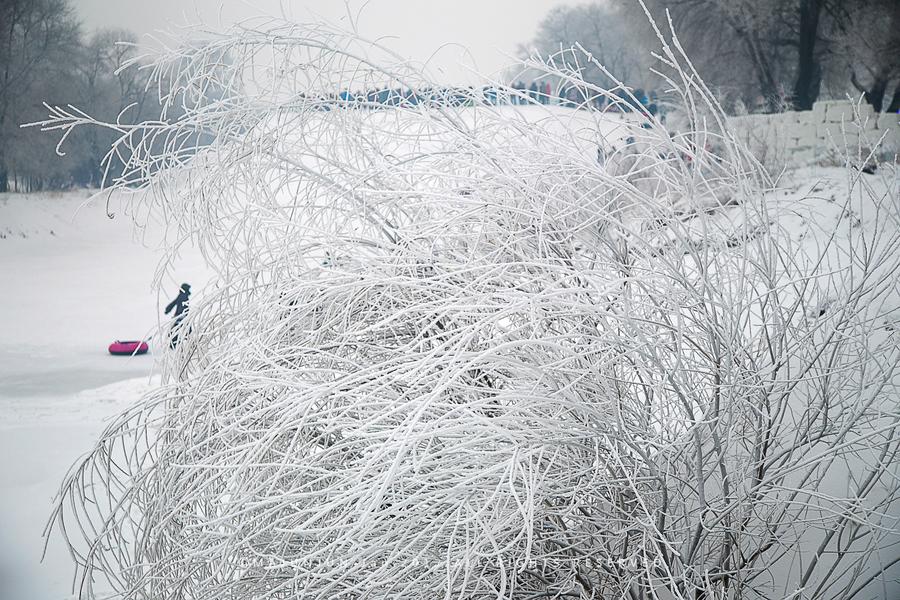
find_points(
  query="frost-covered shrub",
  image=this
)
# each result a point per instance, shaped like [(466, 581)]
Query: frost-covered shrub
[(489, 352)]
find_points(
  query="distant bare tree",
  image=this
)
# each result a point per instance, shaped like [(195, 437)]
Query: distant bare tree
[(602, 32), (737, 45), (780, 49), (32, 160), (36, 37), (870, 47), (108, 90)]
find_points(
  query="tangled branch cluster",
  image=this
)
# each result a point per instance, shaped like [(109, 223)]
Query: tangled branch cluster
[(488, 352)]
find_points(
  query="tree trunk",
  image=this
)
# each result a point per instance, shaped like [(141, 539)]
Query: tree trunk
[(806, 86), (874, 94), (884, 69), (894, 107)]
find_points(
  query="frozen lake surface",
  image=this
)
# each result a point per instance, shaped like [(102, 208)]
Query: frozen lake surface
[(74, 280)]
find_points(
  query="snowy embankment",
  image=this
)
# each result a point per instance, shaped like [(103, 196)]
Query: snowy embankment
[(73, 281)]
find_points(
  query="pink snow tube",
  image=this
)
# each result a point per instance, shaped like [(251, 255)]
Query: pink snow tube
[(128, 348)]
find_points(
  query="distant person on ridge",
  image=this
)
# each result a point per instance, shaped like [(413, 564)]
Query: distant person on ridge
[(180, 305)]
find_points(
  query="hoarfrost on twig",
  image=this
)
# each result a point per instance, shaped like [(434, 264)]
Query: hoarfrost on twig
[(449, 353)]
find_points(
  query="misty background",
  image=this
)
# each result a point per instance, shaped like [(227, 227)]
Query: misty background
[(757, 56)]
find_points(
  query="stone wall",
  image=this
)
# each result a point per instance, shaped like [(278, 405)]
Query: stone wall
[(818, 136)]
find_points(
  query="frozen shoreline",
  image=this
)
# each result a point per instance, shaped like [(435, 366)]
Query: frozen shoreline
[(74, 281), (40, 438)]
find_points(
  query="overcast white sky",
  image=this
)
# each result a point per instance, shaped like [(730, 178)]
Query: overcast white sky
[(483, 32)]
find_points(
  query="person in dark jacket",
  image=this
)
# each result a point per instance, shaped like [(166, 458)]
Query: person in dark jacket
[(180, 306)]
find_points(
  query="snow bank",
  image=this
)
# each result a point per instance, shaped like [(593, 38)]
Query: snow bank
[(74, 280), (824, 135)]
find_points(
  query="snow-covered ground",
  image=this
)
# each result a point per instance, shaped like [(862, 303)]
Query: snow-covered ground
[(73, 281)]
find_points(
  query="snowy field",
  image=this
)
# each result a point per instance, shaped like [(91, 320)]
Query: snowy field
[(73, 281)]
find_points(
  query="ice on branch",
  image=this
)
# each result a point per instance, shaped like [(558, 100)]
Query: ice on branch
[(461, 349)]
